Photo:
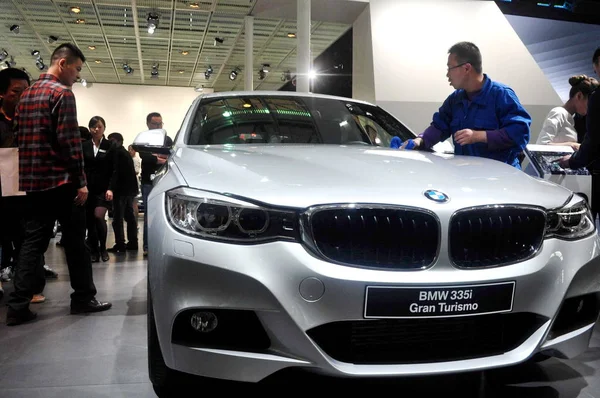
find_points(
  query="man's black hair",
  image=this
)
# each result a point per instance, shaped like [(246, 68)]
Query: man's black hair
[(116, 136), (467, 52), (69, 51), (8, 75), (151, 115)]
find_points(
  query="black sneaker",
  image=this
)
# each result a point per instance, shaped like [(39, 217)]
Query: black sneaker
[(49, 273), (117, 249), (14, 318)]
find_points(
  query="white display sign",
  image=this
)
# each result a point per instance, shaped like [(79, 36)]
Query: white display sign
[(9, 171)]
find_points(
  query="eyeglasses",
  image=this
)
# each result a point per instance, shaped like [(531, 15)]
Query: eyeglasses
[(457, 66)]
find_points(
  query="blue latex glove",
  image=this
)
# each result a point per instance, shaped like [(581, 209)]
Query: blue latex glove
[(410, 144), (396, 143)]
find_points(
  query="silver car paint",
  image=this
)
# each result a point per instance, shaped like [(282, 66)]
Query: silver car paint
[(266, 278)]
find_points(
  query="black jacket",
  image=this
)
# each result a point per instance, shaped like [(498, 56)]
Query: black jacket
[(7, 133), (588, 154), (127, 184), (100, 170), (150, 163)]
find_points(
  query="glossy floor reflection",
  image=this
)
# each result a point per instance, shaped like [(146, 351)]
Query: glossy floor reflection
[(104, 355)]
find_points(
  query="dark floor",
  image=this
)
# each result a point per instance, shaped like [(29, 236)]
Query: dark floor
[(104, 355)]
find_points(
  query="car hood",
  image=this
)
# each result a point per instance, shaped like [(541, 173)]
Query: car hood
[(302, 175)]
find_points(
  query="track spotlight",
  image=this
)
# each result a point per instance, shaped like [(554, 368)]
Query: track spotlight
[(12, 63), (35, 53), (15, 29), (234, 74), (209, 71), (218, 40), (286, 76), (262, 72), (51, 39), (128, 69), (152, 22), (39, 63), (3, 55), (154, 71)]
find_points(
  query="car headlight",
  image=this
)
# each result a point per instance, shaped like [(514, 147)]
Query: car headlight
[(212, 216), (571, 222)]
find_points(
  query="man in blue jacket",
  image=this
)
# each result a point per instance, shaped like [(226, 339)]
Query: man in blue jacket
[(484, 118)]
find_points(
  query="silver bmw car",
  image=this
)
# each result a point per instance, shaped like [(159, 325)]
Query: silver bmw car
[(285, 233)]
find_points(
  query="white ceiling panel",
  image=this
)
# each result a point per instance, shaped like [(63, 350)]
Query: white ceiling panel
[(114, 32)]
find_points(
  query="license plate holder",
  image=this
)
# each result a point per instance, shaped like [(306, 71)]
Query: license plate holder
[(438, 301)]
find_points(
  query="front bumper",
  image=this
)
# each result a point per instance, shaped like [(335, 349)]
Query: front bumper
[(292, 292)]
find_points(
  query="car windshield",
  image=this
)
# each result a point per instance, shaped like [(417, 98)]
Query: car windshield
[(292, 120)]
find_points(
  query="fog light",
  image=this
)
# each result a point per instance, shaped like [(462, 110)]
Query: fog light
[(204, 322)]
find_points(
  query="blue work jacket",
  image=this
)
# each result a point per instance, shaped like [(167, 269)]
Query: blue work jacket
[(497, 110)]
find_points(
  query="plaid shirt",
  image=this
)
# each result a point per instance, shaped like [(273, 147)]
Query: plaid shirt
[(48, 136)]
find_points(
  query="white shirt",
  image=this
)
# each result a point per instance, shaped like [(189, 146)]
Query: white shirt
[(96, 148), (558, 127)]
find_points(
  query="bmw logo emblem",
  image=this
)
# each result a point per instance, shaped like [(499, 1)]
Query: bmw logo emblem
[(436, 196)]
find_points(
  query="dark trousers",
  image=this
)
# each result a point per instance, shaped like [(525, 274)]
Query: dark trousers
[(146, 188), (123, 210), (40, 211), (10, 229), (595, 205), (11, 237)]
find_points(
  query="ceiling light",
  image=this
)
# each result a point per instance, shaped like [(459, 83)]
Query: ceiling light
[(12, 63), (51, 39), (194, 5), (35, 53), (199, 89), (218, 40), (154, 71), (262, 73), (185, 52), (234, 74), (84, 82), (3, 55), (39, 63), (98, 61), (92, 47), (209, 69), (181, 71), (80, 21), (286, 76), (291, 35), (75, 10), (15, 29), (152, 22), (128, 69)]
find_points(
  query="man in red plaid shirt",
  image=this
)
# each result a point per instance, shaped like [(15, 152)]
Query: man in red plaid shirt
[(51, 172)]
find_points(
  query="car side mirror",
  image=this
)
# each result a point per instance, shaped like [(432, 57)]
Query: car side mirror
[(152, 141)]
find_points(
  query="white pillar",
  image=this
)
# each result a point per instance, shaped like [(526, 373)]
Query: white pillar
[(303, 59), (249, 60)]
